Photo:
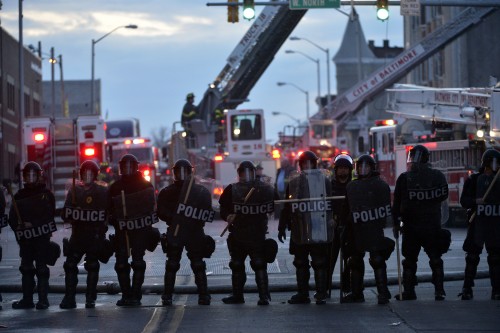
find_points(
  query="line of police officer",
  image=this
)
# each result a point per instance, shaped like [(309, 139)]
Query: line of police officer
[(322, 225)]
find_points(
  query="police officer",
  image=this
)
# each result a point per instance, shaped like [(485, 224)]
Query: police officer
[(245, 205), (32, 220), (369, 202), (305, 219), (132, 204), (417, 203), (185, 207), (85, 209), (342, 172), (483, 224)]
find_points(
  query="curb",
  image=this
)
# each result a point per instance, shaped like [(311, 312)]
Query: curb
[(114, 288)]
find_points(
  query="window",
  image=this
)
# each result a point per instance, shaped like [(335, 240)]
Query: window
[(11, 97), (27, 105), (246, 127)]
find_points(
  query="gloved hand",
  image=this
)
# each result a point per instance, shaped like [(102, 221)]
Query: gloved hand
[(281, 235), (397, 228), (230, 218)]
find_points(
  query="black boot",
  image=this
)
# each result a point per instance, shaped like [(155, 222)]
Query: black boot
[(409, 282), (123, 273), (43, 291), (168, 283), (438, 278), (494, 268), (356, 295), (238, 279), (471, 262), (137, 282), (302, 295), (381, 280), (28, 284), (200, 279), (71, 281), (92, 280), (262, 281), (321, 280)]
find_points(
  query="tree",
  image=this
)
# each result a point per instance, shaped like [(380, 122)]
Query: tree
[(160, 136)]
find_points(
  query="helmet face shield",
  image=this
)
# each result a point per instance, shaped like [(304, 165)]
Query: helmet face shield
[(246, 175), (128, 168), (30, 176), (494, 164), (416, 156), (181, 173), (306, 165), (88, 176), (364, 169)]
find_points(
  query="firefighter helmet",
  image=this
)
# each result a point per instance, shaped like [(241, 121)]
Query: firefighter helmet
[(182, 169), (365, 165), (32, 172), (308, 160), (491, 158), (246, 171), (418, 154), (128, 165), (89, 171), (189, 96)]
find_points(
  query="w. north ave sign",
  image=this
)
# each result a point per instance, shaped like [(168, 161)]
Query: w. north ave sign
[(309, 4)]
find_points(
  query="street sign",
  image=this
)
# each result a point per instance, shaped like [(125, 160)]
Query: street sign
[(312, 4), (410, 7)]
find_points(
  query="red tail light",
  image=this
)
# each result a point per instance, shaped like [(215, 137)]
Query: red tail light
[(218, 158), (90, 151), (39, 137)]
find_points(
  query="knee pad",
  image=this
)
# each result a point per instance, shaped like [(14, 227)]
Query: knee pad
[(122, 268), (237, 265), (70, 267), (301, 262), (91, 266), (198, 265), (377, 261), (258, 264), (494, 259), (27, 270), (355, 263), (172, 266), (435, 262), (472, 259), (319, 263), (138, 265), (42, 271), (410, 264)]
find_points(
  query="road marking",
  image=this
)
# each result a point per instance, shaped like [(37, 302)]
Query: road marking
[(156, 317)]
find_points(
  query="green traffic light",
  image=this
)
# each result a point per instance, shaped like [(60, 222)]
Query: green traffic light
[(383, 14), (248, 9)]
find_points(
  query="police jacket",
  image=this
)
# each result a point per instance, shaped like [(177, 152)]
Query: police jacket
[(36, 205), (130, 185), (468, 197), (194, 212), (418, 196)]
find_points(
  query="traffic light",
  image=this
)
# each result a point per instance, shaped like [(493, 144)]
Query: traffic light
[(248, 9), (233, 12), (382, 10)]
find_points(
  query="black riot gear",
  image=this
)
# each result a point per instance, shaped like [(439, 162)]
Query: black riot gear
[(182, 169), (365, 165), (308, 160), (491, 158), (246, 171), (128, 165), (418, 154), (89, 171), (32, 172)]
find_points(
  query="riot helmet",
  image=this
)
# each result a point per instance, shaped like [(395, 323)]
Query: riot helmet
[(246, 171), (418, 154), (365, 165), (129, 165), (308, 160), (182, 169), (342, 161), (491, 159), (89, 171), (32, 173)]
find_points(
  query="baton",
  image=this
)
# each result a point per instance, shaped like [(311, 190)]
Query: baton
[(486, 194), (341, 280), (185, 200), (244, 201), (338, 197), (125, 216), (399, 268)]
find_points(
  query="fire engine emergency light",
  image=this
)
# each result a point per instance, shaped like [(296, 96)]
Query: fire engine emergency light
[(89, 151), (39, 137)]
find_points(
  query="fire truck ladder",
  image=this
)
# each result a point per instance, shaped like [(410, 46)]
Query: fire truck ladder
[(354, 99)]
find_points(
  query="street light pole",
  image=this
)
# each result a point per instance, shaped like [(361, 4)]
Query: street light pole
[(327, 51), (277, 113), (92, 106), (304, 91), (318, 72), (53, 83)]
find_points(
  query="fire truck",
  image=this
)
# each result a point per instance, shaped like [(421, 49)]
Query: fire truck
[(455, 124), (60, 145), (142, 148)]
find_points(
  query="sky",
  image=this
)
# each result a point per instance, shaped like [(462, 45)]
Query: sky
[(179, 47)]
